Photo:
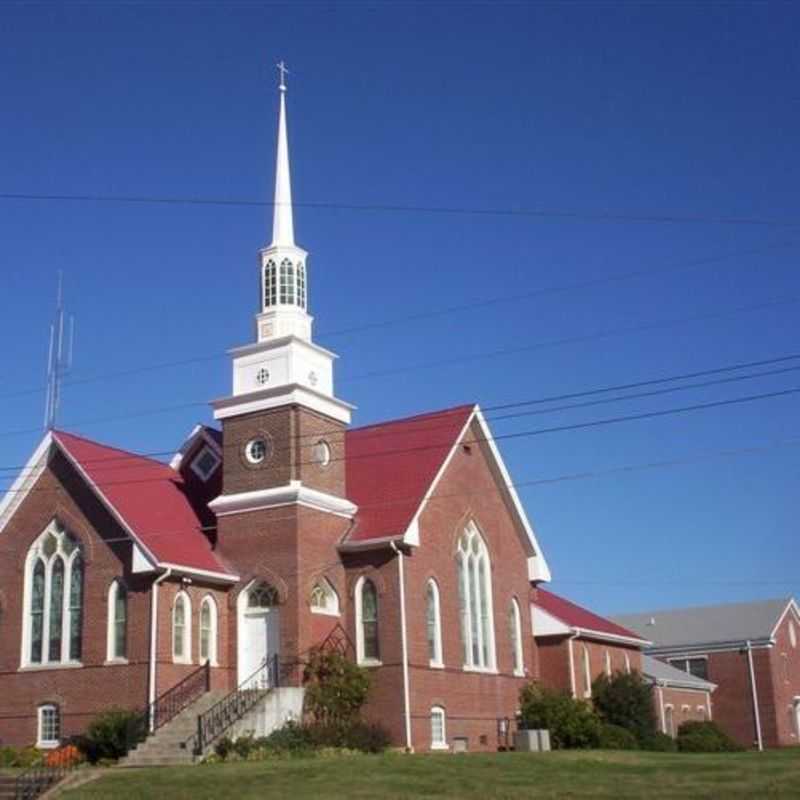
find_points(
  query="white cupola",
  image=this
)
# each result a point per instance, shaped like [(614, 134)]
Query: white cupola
[(283, 366)]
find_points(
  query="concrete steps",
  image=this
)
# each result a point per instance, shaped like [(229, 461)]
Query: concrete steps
[(8, 787), (166, 746)]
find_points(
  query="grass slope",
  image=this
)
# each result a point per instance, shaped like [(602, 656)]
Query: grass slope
[(565, 774)]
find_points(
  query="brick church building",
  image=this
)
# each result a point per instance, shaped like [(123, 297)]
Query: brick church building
[(282, 528)]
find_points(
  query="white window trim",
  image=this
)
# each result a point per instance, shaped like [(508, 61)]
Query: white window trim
[(360, 658), (327, 586), (516, 645), (31, 558), (472, 530), (186, 658), (607, 662), (442, 744), (46, 744), (437, 662), (204, 476), (209, 601), (111, 628)]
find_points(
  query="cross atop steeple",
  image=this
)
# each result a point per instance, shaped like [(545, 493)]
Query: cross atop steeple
[(283, 73)]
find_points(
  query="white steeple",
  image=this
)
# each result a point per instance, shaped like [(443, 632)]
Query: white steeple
[(282, 222), (283, 366)]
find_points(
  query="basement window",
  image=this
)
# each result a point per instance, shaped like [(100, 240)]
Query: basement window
[(49, 726)]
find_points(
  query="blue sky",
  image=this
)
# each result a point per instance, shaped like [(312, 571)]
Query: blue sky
[(652, 110)]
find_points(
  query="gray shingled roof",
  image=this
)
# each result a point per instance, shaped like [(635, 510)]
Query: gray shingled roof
[(664, 673), (732, 622)]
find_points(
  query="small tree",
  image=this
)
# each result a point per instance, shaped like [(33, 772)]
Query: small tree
[(626, 699), (571, 722), (336, 688)]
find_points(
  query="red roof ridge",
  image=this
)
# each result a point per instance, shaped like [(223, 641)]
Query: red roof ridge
[(124, 452), (412, 417)]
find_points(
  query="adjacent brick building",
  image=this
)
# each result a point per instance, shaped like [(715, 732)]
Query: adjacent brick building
[(749, 650)]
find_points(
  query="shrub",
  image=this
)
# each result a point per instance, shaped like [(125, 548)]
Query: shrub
[(23, 757), (572, 723), (660, 742), (336, 688), (615, 737), (66, 757), (355, 735), (290, 738), (626, 700), (111, 735), (695, 736), (223, 747), (244, 745)]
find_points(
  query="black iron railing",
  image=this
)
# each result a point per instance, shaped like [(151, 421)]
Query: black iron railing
[(168, 705), (219, 718), (37, 780)]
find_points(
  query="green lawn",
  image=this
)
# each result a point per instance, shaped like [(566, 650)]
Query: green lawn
[(565, 774)]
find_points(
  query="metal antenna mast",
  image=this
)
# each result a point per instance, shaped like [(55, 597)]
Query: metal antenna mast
[(59, 360)]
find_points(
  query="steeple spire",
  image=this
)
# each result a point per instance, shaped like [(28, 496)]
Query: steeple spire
[(282, 222)]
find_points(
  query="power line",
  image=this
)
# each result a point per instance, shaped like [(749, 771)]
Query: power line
[(524, 434), (427, 426), (691, 458), (567, 215)]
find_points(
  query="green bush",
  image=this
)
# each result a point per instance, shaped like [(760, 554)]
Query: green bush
[(223, 747), (290, 738), (705, 737), (336, 688), (660, 742), (244, 745), (22, 757), (626, 700), (572, 723), (356, 735), (111, 735), (615, 737)]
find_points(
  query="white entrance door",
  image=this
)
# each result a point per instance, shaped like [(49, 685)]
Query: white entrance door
[(260, 632)]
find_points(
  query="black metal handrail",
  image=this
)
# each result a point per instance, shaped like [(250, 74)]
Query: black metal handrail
[(169, 704), (213, 723), (38, 779)]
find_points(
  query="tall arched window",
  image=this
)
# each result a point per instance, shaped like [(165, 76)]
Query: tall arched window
[(475, 600), (587, 673), (607, 662), (627, 664), (301, 284), (53, 599), (367, 642), (286, 284), (269, 286), (433, 624), (208, 630), (182, 629), (669, 721), (515, 635), (117, 621)]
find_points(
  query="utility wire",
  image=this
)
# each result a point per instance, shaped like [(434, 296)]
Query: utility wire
[(200, 359), (533, 213), (428, 425), (522, 434)]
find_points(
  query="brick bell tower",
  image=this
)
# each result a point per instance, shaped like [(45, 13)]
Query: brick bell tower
[(283, 506)]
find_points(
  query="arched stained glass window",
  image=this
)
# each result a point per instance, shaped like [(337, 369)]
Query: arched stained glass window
[(53, 621), (433, 624), (475, 600), (117, 621), (367, 641)]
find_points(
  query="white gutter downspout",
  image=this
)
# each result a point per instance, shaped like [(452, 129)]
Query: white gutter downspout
[(572, 665), (154, 639), (757, 716), (404, 641)]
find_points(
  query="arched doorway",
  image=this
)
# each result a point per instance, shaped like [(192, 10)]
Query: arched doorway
[(259, 630)]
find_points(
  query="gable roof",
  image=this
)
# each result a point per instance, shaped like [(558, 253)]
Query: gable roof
[(390, 467), (666, 675), (730, 623), (580, 620), (394, 467), (147, 498)]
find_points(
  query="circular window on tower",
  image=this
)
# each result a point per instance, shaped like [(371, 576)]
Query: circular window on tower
[(321, 453), (258, 450)]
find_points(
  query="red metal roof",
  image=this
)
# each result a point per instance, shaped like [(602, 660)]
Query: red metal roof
[(576, 616), (391, 466), (150, 497)]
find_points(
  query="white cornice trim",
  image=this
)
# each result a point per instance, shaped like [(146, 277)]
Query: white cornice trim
[(687, 686), (611, 637), (25, 481), (791, 605), (281, 341), (288, 394), (178, 569), (699, 648), (370, 544), (292, 493)]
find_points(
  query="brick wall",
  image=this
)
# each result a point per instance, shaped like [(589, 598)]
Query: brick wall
[(779, 717), (687, 704), (80, 692)]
